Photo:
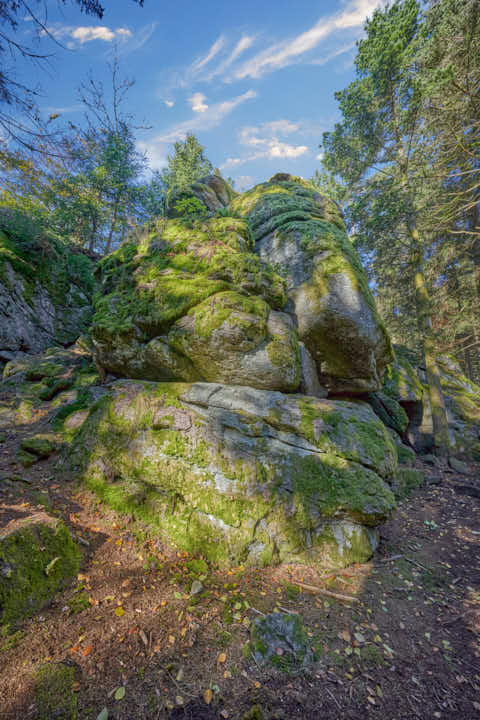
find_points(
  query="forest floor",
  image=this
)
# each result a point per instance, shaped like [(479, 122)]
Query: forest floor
[(144, 648)]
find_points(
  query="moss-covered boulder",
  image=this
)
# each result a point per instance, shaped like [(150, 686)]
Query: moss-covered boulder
[(302, 234), (241, 475), (408, 386), (189, 300), (280, 639), (202, 294), (42, 444), (211, 193), (37, 556), (45, 290)]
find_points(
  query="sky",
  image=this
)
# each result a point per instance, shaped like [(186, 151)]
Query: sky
[(254, 80)]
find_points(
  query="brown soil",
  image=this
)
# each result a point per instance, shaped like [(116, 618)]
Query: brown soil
[(407, 649)]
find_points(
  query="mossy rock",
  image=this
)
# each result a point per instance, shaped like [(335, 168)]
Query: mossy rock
[(37, 557), (168, 281), (302, 234), (280, 639), (406, 456), (407, 480), (239, 475), (54, 692), (42, 445), (389, 410), (25, 458), (45, 288)]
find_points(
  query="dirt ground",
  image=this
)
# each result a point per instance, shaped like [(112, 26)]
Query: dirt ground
[(143, 647)]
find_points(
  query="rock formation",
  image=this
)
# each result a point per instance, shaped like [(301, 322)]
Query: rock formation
[(45, 294), (253, 411)]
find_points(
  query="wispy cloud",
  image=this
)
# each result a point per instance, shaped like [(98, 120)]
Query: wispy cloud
[(214, 50), (265, 142), (156, 154), (138, 39), (211, 117), (245, 42), (207, 120), (169, 103), (294, 49), (197, 101)]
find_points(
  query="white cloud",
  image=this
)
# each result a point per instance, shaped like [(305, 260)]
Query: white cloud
[(169, 103), (214, 50), (289, 51), (83, 34), (197, 101), (245, 42), (264, 140), (207, 120)]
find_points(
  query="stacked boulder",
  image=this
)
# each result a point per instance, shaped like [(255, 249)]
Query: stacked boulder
[(232, 320)]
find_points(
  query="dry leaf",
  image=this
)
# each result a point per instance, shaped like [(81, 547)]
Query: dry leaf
[(221, 658), (207, 696)]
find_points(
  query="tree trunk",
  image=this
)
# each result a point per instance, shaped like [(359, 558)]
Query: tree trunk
[(441, 436), (112, 227)]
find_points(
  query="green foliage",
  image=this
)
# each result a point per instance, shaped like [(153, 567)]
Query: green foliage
[(187, 164)]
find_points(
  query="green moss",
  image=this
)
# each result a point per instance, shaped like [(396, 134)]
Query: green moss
[(406, 456), (54, 695), (41, 445), (27, 553), (26, 459), (331, 485), (79, 601), (406, 481)]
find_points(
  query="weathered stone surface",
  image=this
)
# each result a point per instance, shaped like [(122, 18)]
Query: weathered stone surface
[(239, 474), (280, 639), (43, 299), (37, 555), (211, 193), (389, 410), (407, 385), (196, 297), (196, 304), (302, 234)]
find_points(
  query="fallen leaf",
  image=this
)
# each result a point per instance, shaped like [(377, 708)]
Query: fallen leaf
[(345, 635), (221, 658), (207, 696), (103, 714), (120, 693), (143, 637), (119, 611)]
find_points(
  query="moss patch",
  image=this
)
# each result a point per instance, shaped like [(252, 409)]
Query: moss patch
[(37, 557), (54, 695)]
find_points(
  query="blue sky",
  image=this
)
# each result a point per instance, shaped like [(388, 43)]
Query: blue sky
[(254, 80)]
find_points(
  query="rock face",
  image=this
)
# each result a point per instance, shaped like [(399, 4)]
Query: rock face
[(199, 297), (242, 475), (406, 385), (302, 234), (44, 299)]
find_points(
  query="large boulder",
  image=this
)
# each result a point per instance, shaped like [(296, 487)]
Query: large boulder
[(242, 475), (189, 300), (302, 234), (210, 193), (45, 293), (266, 292)]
